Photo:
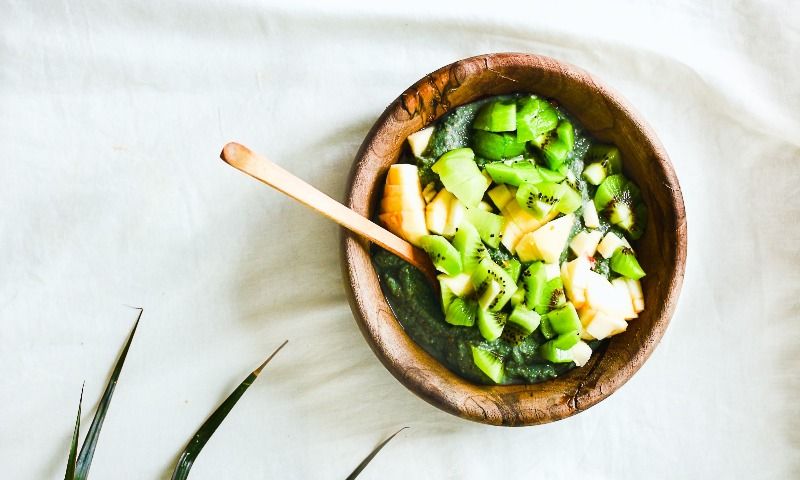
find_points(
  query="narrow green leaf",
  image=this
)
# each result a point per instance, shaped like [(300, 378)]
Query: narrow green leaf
[(208, 428), (361, 466), (73, 448), (90, 442)]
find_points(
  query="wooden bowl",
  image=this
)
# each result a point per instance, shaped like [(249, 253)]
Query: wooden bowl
[(661, 251)]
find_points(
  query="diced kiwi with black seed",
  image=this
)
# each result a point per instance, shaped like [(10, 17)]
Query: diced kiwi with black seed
[(534, 279), (535, 117), (468, 242), (565, 341), (538, 199), (487, 271), (527, 320), (513, 334), (625, 263), (489, 363), (513, 173), (513, 267), (601, 161), (491, 324), (614, 188), (552, 296), (447, 295), (497, 116), (496, 146), (594, 173), (488, 225), (619, 200), (487, 293), (462, 312), (557, 144), (444, 256), (564, 319), (570, 200)]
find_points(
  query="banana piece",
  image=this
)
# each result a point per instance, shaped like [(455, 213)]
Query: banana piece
[(402, 208)]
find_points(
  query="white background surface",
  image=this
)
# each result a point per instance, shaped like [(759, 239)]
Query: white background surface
[(112, 115)]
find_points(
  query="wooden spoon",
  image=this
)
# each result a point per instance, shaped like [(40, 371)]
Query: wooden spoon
[(242, 158)]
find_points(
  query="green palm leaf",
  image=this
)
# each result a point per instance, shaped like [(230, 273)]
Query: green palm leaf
[(90, 442), (73, 449), (361, 466), (208, 428)]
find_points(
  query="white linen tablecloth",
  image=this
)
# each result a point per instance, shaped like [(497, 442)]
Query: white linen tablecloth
[(112, 115)]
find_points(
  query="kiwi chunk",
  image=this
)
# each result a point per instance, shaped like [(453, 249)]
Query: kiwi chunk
[(564, 319), (489, 363), (624, 262), (570, 200), (488, 225), (552, 296), (447, 295), (444, 256), (557, 144), (566, 133), (538, 199), (488, 271), (519, 297), (461, 176), (601, 161), (534, 279), (554, 176), (554, 354), (620, 201), (488, 293), (513, 173), (499, 116), (467, 241), (513, 334), (461, 312), (496, 146), (546, 329), (535, 117), (491, 324), (513, 267), (594, 173), (565, 341), (525, 319)]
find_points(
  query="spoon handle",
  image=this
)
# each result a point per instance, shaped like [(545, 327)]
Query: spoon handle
[(242, 158)]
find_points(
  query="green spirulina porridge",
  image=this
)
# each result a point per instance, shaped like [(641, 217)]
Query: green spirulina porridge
[(529, 220)]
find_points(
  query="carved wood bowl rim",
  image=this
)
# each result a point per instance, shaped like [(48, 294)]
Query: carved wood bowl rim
[(608, 117)]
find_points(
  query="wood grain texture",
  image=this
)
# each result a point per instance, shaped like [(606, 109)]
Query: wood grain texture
[(661, 250)]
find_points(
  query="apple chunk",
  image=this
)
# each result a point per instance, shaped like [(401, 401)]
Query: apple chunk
[(602, 296), (547, 242), (574, 275), (436, 212), (584, 244), (604, 325)]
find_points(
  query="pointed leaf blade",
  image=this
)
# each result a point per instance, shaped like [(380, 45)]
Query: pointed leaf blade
[(90, 442), (73, 448), (208, 428), (361, 466)]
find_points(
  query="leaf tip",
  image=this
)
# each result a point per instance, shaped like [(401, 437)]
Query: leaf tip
[(261, 367)]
